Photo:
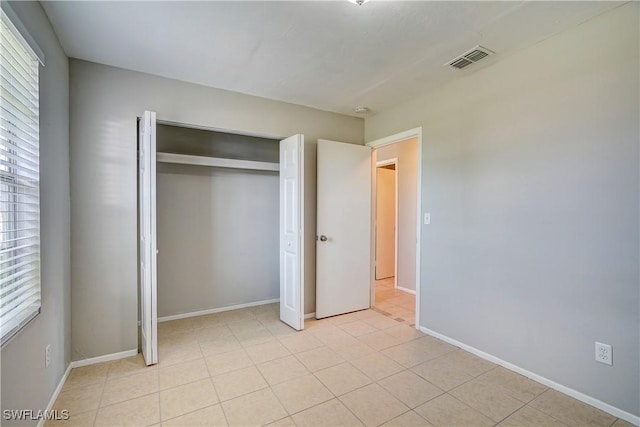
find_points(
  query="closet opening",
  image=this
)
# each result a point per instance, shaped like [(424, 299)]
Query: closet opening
[(221, 227), (217, 221)]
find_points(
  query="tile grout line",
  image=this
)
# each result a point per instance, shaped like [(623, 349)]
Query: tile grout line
[(104, 386), (313, 374), (272, 392), (404, 413), (504, 418), (334, 397), (159, 391), (224, 414), (550, 415), (373, 381), (543, 412), (471, 407)]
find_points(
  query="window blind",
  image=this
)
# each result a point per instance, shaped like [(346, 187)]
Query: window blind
[(19, 182)]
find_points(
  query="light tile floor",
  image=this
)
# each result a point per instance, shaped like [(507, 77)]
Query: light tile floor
[(245, 367), (395, 303)]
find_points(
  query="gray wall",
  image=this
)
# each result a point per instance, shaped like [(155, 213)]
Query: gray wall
[(218, 229), (407, 154), (530, 172), (218, 237), (26, 384), (105, 102)]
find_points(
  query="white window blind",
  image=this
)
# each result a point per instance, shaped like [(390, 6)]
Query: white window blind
[(19, 182)]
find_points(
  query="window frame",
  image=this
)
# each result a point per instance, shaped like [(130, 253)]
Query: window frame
[(20, 266)]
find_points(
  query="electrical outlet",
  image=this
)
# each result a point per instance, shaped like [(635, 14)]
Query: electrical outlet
[(47, 356), (604, 354)]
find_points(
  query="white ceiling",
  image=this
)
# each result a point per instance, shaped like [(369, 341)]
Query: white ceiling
[(331, 55)]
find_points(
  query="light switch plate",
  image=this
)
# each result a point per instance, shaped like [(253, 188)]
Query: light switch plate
[(427, 218)]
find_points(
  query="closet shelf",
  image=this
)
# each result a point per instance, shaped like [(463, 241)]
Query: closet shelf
[(185, 159)]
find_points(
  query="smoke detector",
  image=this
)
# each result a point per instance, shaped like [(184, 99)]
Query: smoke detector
[(360, 110), (470, 57)]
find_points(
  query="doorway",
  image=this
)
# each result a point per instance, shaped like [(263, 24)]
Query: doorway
[(396, 230), (386, 221)]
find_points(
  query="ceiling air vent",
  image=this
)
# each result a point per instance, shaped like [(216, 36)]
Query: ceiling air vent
[(468, 58)]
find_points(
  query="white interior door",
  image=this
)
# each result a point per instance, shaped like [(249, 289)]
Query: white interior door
[(291, 231), (343, 257), (148, 242), (385, 223)]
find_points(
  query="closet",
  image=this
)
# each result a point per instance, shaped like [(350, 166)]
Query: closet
[(221, 224), (217, 220)]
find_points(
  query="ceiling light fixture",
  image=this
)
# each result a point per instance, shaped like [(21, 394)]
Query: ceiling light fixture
[(359, 2)]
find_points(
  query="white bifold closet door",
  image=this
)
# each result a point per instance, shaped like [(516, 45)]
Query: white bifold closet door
[(148, 236), (343, 250), (292, 231)]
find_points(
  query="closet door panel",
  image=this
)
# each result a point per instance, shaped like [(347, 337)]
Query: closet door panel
[(291, 232), (148, 243)]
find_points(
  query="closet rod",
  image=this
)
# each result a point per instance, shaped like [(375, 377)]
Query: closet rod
[(185, 159)]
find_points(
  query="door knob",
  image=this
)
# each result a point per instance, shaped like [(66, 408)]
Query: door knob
[(323, 238)]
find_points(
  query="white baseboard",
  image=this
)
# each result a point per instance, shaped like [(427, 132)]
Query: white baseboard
[(105, 358), (616, 412), (310, 315), (56, 393), (216, 310), (411, 291)]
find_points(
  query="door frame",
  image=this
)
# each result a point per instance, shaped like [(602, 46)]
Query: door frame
[(392, 139), (393, 161)]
